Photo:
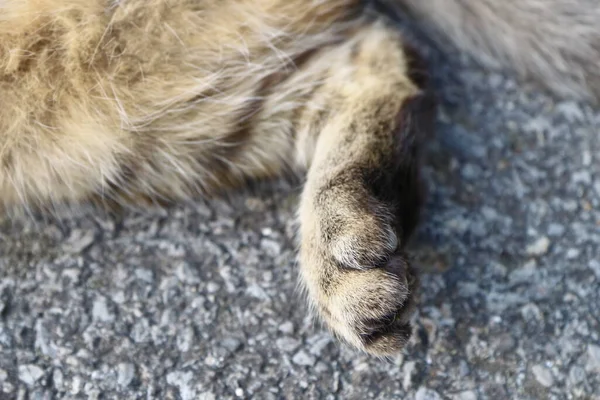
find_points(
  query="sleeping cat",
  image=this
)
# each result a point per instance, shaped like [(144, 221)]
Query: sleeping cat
[(130, 101)]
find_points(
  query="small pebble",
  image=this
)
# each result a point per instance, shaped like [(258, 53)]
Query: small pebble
[(543, 375), (304, 359), (593, 358), (539, 247), (125, 374), (29, 374), (287, 327)]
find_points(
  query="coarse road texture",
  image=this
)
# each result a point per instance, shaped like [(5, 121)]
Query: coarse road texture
[(200, 301)]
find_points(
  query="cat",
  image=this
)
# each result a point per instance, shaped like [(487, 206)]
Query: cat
[(136, 101)]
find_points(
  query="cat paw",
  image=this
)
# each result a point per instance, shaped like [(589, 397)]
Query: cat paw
[(355, 271)]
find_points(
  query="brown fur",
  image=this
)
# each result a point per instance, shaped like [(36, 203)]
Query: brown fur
[(171, 99)]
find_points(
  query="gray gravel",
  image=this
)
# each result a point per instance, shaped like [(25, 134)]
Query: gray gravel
[(200, 301)]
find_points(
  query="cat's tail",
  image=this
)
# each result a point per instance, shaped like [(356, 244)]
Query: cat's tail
[(556, 42)]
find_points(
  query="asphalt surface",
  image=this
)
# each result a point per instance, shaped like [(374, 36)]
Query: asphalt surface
[(200, 302)]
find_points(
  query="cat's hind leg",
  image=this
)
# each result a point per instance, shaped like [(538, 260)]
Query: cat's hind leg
[(363, 193)]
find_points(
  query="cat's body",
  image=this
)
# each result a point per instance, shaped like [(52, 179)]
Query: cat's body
[(169, 99)]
